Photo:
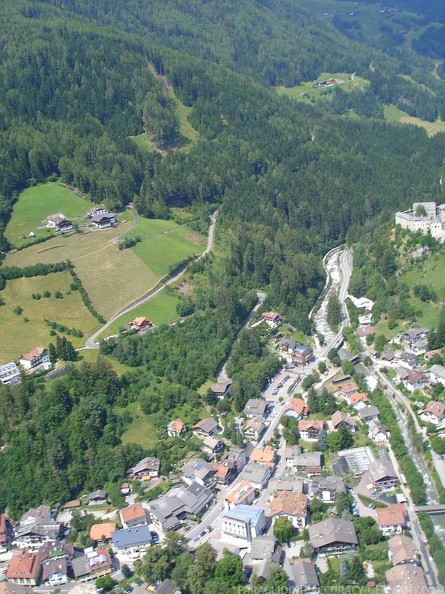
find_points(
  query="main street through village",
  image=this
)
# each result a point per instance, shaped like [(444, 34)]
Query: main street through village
[(338, 266)]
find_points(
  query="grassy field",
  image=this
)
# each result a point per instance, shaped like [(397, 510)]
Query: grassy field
[(90, 356), (432, 274), (18, 336), (141, 430), (185, 128), (35, 204), (306, 91), (115, 278), (160, 310), (165, 243), (394, 114)]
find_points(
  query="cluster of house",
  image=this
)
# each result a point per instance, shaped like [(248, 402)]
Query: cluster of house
[(294, 352), (100, 218), (325, 83), (35, 360), (426, 217)]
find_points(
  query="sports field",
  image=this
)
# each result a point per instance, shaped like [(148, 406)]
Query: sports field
[(19, 336), (35, 204)]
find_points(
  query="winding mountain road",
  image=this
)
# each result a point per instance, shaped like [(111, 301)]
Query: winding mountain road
[(91, 342)]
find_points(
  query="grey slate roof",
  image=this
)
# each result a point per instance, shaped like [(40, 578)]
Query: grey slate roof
[(131, 537), (304, 574), (332, 531)]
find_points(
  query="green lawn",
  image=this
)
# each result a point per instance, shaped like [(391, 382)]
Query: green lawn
[(141, 430), (394, 114), (183, 112), (35, 204), (160, 310), (19, 336), (165, 243)]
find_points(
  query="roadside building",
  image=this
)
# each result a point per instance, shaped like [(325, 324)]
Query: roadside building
[(24, 568), (242, 524), (402, 550), (242, 493), (290, 505), (392, 519), (9, 373)]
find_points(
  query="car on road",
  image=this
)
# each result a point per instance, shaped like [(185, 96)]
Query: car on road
[(371, 506), (275, 392), (154, 537)]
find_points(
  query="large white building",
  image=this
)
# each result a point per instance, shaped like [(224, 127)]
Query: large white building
[(243, 523), (433, 220), (9, 373)]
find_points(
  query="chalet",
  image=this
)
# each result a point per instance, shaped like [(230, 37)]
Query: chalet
[(333, 536), (290, 505), (304, 577), (125, 489), (212, 445), (102, 531), (103, 221), (146, 469), (297, 408), (416, 380), (254, 428), (225, 472), (175, 428), (415, 335), (437, 374), (141, 323), (383, 475), (255, 407), (392, 519), (97, 210), (327, 488), (347, 389), (272, 318), (408, 360), (364, 331), (358, 400), (406, 579), (59, 223), (310, 430), (309, 462), (205, 428), (237, 456), (221, 389), (91, 566), (402, 550), (198, 471), (241, 493), (266, 455), (377, 432), (434, 412), (55, 571), (24, 568), (36, 528), (9, 374), (73, 504), (257, 474), (368, 413), (294, 351), (133, 515), (341, 419), (36, 357), (99, 497), (365, 320), (179, 504)]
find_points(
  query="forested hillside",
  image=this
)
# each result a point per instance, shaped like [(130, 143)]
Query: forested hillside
[(292, 181)]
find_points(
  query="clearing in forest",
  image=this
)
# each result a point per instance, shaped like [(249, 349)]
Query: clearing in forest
[(35, 204)]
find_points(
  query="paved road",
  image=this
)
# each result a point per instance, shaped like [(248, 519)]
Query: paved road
[(91, 341)]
